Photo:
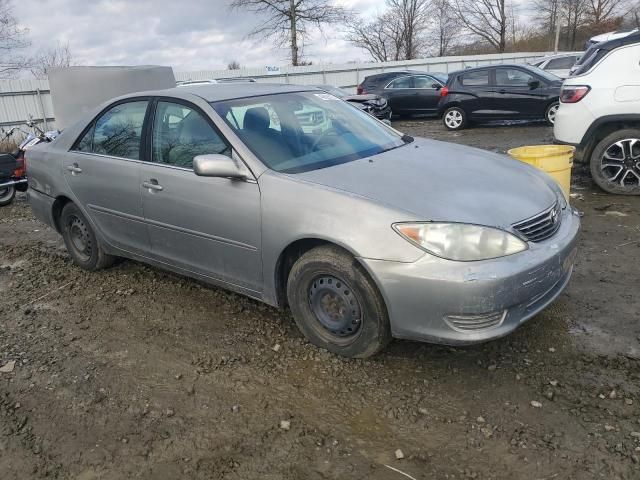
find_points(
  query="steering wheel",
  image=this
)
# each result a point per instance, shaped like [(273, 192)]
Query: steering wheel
[(322, 137)]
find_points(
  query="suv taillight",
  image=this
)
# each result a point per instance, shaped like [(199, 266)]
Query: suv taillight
[(360, 89), (573, 93), (444, 91)]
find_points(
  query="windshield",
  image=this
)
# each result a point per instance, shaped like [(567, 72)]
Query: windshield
[(299, 132), (544, 74)]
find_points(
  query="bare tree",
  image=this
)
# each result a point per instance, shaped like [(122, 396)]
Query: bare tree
[(485, 19), (56, 57), (288, 21), (445, 25), (233, 65), (396, 34), (601, 11), (547, 12), (574, 14), (13, 39), (382, 37)]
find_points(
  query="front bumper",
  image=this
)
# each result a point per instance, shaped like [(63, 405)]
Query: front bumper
[(423, 297)]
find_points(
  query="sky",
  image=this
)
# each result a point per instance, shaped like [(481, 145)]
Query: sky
[(188, 35)]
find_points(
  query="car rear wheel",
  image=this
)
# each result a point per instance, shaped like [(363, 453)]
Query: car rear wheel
[(550, 113), (615, 162), (81, 241), (336, 305), (454, 118), (7, 194)]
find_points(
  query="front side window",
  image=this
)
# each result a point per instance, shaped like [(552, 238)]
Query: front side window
[(299, 132), (478, 78), (118, 131), (180, 133), (403, 82), (511, 77)]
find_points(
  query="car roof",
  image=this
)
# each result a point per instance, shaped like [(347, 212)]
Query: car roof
[(216, 92), (618, 42)]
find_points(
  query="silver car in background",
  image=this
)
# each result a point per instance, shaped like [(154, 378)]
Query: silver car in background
[(365, 233)]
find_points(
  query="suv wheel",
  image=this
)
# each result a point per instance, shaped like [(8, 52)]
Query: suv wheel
[(336, 305), (81, 241), (454, 118), (7, 195), (615, 162), (550, 113)]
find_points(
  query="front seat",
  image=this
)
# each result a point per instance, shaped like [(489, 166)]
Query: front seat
[(267, 142)]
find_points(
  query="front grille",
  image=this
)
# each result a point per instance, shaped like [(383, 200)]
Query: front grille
[(474, 323), (540, 226)]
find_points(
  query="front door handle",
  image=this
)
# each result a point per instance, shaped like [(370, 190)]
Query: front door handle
[(152, 185), (503, 91), (74, 169)]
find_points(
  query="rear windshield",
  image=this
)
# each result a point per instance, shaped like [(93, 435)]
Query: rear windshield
[(299, 132)]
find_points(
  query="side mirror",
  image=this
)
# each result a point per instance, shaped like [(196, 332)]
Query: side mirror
[(533, 84), (217, 165)]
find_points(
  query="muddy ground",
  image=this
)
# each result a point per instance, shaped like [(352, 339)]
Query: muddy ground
[(135, 373)]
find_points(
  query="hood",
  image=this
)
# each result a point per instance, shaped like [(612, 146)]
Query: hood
[(441, 181), (361, 98)]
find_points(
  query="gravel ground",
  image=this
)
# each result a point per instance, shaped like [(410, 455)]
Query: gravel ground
[(133, 372)]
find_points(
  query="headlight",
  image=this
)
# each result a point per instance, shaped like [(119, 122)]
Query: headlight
[(461, 241)]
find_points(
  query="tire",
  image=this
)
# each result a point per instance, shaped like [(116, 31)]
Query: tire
[(7, 194), (619, 173), (454, 118), (550, 112), (321, 283), (81, 241)]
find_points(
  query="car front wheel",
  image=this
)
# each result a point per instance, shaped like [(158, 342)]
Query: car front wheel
[(336, 305), (81, 241), (454, 118), (615, 162)]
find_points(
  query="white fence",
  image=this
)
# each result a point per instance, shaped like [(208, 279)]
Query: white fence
[(24, 99)]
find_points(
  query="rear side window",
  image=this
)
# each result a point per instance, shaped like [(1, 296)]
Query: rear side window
[(560, 63), (402, 82), (424, 82), (479, 78), (117, 132)]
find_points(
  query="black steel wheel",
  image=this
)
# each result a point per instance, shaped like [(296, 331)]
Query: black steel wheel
[(336, 305), (81, 241), (615, 162)]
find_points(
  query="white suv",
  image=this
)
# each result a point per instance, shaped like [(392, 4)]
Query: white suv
[(600, 114)]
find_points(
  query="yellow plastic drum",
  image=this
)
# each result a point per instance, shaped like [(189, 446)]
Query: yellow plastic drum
[(556, 160)]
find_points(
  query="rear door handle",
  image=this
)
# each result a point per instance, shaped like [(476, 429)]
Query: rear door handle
[(152, 185), (74, 169)]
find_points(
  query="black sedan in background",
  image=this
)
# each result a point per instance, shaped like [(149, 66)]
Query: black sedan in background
[(408, 92), (372, 104), (499, 92)]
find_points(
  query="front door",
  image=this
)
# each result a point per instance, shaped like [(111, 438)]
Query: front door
[(103, 169), (517, 93), (210, 226)]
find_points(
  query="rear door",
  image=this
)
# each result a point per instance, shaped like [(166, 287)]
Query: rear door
[(520, 94), (428, 93), (478, 95), (103, 172), (400, 95), (210, 226)]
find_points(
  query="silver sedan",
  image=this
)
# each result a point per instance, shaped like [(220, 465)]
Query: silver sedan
[(294, 197)]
